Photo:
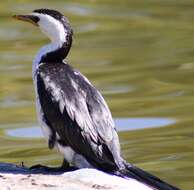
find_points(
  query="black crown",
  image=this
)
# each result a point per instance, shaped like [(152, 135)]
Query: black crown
[(56, 14)]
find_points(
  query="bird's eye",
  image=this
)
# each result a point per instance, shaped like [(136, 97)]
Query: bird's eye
[(35, 19)]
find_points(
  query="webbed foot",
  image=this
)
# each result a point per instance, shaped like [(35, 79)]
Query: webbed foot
[(52, 140), (51, 143), (42, 168)]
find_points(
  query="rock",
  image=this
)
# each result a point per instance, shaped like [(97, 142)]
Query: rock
[(13, 177)]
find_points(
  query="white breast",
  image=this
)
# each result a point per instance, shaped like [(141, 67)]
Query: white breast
[(67, 151)]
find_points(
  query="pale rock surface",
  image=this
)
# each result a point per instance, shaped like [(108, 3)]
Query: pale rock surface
[(14, 177)]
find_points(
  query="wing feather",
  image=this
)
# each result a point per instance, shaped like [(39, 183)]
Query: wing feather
[(81, 114)]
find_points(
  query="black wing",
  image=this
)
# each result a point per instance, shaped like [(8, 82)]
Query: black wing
[(77, 112)]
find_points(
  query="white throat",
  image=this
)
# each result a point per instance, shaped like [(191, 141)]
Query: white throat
[(51, 27), (55, 31)]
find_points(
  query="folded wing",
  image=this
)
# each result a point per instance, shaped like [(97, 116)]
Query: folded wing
[(78, 114)]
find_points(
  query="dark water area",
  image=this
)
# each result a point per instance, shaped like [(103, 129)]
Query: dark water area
[(139, 54)]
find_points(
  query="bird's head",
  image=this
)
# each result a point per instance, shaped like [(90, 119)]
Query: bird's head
[(51, 22)]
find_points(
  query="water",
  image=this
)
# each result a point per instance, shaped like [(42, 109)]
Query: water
[(123, 124), (139, 54)]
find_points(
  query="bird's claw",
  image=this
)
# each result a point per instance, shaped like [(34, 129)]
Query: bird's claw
[(51, 143), (43, 168), (21, 165)]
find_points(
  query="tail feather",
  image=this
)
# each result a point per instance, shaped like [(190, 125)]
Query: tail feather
[(132, 171)]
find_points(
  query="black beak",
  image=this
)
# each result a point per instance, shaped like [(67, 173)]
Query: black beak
[(27, 18)]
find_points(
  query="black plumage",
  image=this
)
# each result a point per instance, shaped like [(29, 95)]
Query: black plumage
[(78, 114)]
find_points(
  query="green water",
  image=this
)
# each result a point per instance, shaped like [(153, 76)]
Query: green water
[(139, 54)]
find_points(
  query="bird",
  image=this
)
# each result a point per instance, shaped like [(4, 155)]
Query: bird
[(74, 117)]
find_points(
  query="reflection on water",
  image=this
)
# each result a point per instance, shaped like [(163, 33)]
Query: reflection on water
[(139, 54), (123, 124), (127, 124), (28, 132)]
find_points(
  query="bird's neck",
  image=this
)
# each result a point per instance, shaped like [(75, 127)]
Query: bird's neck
[(56, 51)]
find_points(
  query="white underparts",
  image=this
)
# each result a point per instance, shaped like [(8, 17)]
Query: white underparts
[(67, 152), (72, 157)]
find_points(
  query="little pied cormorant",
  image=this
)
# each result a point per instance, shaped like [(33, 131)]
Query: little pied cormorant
[(73, 115)]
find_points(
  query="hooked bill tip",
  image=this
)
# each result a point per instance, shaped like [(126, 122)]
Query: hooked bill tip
[(14, 16)]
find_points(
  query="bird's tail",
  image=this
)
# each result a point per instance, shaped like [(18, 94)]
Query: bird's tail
[(131, 171)]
